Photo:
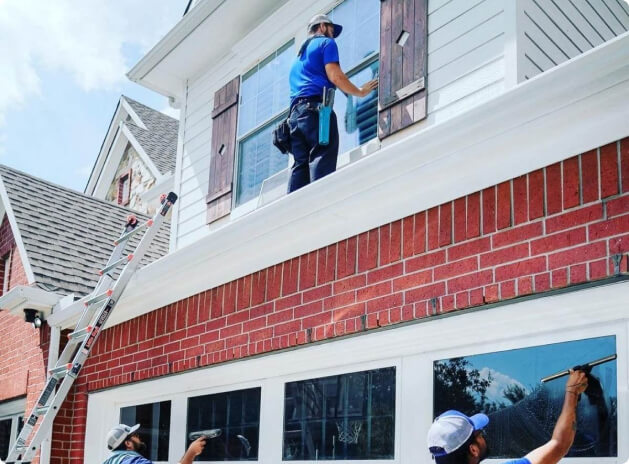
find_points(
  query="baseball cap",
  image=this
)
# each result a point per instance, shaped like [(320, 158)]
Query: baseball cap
[(451, 430), (321, 18), (118, 434)]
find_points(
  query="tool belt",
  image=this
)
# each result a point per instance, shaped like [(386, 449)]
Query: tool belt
[(281, 136)]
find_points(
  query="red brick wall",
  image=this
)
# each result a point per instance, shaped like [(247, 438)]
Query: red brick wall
[(551, 228)]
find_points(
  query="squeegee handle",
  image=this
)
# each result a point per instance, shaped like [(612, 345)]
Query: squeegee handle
[(587, 368)]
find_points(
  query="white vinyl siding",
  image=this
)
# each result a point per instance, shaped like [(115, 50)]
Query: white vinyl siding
[(554, 31)]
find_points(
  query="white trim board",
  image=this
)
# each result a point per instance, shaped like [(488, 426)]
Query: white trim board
[(412, 349), (528, 127)]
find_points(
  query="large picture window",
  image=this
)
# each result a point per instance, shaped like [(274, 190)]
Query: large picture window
[(237, 414), (348, 416), (507, 386), (264, 99), (154, 420)]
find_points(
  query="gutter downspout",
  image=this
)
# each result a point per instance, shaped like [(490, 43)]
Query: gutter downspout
[(53, 357)]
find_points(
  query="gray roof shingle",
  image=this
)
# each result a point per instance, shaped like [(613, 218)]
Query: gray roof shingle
[(159, 139), (68, 235)]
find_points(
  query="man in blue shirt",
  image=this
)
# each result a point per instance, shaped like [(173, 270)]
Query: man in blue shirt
[(454, 438), (127, 445), (315, 68)]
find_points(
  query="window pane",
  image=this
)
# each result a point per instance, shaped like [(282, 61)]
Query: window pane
[(5, 437), (523, 411), (357, 117), (237, 414), (154, 420), (258, 159), (264, 90), (361, 30), (349, 416)]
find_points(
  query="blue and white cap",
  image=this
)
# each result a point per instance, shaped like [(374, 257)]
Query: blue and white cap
[(451, 430)]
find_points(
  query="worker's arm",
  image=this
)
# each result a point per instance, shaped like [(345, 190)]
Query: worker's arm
[(566, 427), (340, 80), (195, 448)]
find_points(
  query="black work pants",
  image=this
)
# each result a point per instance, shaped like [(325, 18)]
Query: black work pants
[(312, 161)]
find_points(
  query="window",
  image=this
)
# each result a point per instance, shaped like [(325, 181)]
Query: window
[(348, 416), (11, 422), (359, 45), (124, 188), (264, 99), (237, 414), (506, 385), (154, 420)]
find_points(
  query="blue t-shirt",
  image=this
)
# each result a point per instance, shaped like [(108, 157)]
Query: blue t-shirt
[(126, 457), (307, 74), (519, 461)]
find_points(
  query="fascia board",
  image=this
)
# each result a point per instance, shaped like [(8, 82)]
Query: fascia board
[(145, 158), (131, 112), (110, 163), (175, 36), (6, 202), (534, 123), (108, 141)]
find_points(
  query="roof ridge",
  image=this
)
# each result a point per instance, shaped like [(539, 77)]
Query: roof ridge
[(69, 190)]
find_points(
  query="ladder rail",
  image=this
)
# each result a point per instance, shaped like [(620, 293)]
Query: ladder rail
[(54, 394)]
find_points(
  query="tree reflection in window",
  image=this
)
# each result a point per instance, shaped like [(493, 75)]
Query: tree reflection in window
[(349, 416), (506, 386)]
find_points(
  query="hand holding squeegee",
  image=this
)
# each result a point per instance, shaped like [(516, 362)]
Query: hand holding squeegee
[(207, 434)]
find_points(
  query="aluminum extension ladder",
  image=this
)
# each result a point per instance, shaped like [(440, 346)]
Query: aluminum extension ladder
[(98, 307)]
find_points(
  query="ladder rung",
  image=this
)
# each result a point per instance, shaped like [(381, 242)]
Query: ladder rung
[(131, 233), (42, 410), (114, 265), (80, 335), (101, 297), (60, 371)]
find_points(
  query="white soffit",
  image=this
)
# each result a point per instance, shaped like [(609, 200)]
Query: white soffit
[(218, 24), (577, 106)]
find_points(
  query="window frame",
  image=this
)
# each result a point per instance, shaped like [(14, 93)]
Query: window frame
[(539, 339), (13, 410), (126, 176), (289, 44)]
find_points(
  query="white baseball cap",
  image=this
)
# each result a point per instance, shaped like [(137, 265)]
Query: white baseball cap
[(118, 434), (451, 430), (321, 18)]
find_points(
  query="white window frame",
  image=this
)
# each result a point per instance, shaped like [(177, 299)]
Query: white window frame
[(411, 348), (13, 410)]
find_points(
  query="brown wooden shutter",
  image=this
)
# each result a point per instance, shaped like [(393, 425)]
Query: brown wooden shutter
[(224, 118), (402, 91)]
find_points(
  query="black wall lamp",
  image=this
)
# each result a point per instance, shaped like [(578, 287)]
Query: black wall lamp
[(34, 317)]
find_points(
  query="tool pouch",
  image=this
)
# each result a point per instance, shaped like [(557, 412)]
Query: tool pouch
[(324, 124), (281, 136)]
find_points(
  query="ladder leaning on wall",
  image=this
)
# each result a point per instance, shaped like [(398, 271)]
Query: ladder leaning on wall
[(98, 307)]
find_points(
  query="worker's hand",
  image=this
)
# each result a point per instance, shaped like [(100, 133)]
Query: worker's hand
[(577, 382), (196, 447), (368, 87)]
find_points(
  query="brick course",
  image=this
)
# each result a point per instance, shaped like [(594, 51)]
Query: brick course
[(551, 228)]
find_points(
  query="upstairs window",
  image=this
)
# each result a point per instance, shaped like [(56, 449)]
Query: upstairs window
[(359, 44), (264, 100), (124, 188)]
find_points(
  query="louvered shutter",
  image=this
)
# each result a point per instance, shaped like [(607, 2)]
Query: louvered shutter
[(403, 52), (224, 118)]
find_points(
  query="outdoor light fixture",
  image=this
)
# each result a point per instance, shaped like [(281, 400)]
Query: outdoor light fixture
[(34, 317)]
